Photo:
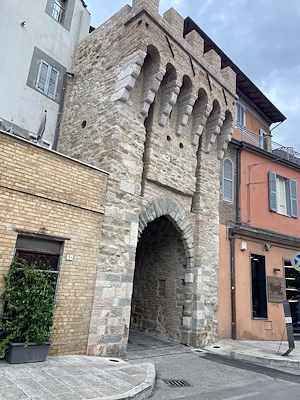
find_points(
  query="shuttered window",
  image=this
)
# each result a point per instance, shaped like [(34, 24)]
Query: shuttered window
[(294, 199), (283, 197), (228, 182), (47, 79), (240, 115)]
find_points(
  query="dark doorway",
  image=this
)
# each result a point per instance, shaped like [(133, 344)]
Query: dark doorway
[(159, 287), (259, 293)]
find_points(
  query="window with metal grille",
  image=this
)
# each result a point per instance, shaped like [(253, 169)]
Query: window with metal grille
[(228, 180), (47, 79), (46, 254)]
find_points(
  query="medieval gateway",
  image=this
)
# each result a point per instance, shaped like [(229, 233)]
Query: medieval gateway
[(151, 106)]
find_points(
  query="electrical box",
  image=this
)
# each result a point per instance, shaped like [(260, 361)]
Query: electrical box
[(69, 257), (243, 246)]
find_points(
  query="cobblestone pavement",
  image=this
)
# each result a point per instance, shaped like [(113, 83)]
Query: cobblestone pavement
[(99, 378), (76, 377)]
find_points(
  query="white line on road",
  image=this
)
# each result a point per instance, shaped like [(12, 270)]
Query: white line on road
[(242, 396)]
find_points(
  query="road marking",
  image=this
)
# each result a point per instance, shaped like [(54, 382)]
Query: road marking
[(242, 396)]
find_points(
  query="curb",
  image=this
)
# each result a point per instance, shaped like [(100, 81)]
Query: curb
[(142, 391), (264, 360)]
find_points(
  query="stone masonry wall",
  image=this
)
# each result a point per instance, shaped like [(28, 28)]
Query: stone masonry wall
[(138, 103), (44, 192)]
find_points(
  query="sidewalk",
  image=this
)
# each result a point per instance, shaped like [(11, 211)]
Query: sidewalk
[(259, 352), (76, 377), (99, 378)]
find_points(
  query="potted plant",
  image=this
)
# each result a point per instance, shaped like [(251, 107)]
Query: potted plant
[(28, 313)]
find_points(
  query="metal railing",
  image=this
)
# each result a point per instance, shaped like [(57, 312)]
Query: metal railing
[(265, 142)]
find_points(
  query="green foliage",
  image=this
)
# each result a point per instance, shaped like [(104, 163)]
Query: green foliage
[(28, 296)]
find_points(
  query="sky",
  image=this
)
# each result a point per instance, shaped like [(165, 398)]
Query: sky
[(262, 37)]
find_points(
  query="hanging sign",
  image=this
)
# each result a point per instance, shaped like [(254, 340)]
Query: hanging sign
[(296, 261)]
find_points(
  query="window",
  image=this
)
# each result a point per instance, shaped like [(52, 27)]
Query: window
[(240, 115), (45, 253), (283, 197), (262, 135), (228, 180), (61, 11), (258, 281), (47, 79), (58, 10)]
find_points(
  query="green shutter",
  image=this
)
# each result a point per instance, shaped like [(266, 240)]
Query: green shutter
[(294, 198), (272, 191)]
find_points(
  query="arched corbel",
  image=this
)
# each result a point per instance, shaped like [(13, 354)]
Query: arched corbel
[(213, 126), (129, 72), (186, 101), (225, 135)]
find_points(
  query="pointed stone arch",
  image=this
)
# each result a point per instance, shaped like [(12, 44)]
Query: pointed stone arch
[(170, 208)]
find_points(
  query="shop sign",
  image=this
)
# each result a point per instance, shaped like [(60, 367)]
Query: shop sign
[(275, 289)]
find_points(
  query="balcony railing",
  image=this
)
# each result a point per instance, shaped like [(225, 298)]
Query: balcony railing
[(265, 142)]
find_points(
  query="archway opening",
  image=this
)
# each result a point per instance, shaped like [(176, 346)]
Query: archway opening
[(159, 281)]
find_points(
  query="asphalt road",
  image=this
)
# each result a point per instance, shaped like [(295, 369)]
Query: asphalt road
[(206, 376)]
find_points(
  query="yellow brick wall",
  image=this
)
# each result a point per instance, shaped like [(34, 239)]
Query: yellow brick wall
[(43, 189)]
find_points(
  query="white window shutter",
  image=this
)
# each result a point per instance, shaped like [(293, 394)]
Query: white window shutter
[(228, 180), (42, 76), (294, 198), (272, 191), (53, 78)]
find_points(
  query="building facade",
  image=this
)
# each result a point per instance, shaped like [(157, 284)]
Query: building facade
[(259, 229), (37, 40), (149, 106), (51, 213)]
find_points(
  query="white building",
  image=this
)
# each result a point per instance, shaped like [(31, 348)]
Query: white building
[(37, 41)]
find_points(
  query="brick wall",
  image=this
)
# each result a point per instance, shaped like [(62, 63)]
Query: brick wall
[(43, 189)]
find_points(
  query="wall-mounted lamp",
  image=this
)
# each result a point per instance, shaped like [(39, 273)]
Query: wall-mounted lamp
[(23, 23), (276, 269)]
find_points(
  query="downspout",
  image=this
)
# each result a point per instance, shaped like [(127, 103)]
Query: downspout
[(232, 270), (231, 239), (238, 181), (61, 102)]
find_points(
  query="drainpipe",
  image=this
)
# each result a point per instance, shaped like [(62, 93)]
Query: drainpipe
[(232, 269), (231, 239), (61, 102), (238, 178)]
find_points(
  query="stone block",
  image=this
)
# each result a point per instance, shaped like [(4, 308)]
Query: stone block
[(214, 60), (175, 20), (197, 42), (138, 4)]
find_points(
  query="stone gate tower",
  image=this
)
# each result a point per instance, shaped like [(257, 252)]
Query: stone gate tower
[(149, 106)]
